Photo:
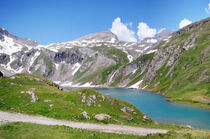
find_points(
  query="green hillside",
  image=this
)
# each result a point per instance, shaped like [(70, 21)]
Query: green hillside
[(187, 79), (31, 94)]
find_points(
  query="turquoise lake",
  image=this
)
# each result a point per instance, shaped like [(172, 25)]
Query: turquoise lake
[(160, 110)]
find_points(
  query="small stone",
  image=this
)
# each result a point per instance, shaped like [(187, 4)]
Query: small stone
[(130, 109), (12, 84), (123, 109), (94, 97), (22, 92), (85, 115), (83, 98), (13, 77), (145, 117), (131, 119), (47, 100), (103, 98), (51, 105)]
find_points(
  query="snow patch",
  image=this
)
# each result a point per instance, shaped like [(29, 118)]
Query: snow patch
[(56, 66), (88, 84), (144, 86), (65, 84), (151, 51), (136, 85), (70, 84), (33, 59), (113, 40), (110, 79), (130, 57), (134, 71), (147, 48), (139, 51), (8, 46), (75, 68), (151, 41), (142, 45), (57, 82)]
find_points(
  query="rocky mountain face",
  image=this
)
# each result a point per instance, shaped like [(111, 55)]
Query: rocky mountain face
[(174, 63), (90, 60)]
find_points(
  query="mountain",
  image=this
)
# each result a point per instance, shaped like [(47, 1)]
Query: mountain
[(10, 43), (175, 64), (180, 68), (89, 60)]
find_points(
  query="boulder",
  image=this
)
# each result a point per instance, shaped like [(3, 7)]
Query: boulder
[(85, 115), (1, 74), (102, 117)]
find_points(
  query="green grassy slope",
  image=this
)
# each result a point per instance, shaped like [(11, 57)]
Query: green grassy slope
[(189, 78), (29, 130), (52, 102)]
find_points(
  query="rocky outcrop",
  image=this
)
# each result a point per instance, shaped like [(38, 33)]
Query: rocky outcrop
[(85, 115), (102, 117), (1, 74), (71, 57), (4, 59)]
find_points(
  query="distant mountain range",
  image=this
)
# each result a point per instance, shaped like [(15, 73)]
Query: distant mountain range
[(74, 62), (176, 64)]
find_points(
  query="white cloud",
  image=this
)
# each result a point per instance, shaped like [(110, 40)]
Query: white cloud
[(208, 9), (145, 31), (184, 23), (122, 31)]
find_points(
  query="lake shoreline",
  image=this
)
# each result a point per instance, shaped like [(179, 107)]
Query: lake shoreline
[(159, 93)]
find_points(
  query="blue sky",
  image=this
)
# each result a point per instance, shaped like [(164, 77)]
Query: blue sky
[(48, 21)]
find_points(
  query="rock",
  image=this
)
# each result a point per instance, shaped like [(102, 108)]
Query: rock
[(130, 109), (85, 115), (47, 100), (156, 84), (145, 117), (22, 92), (188, 126), (123, 109), (131, 119), (4, 59), (60, 88), (94, 97), (51, 105), (102, 116), (68, 56), (1, 74), (83, 98), (103, 98), (12, 84), (13, 77), (33, 97)]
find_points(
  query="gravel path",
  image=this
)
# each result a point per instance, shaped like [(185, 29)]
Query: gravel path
[(109, 128)]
